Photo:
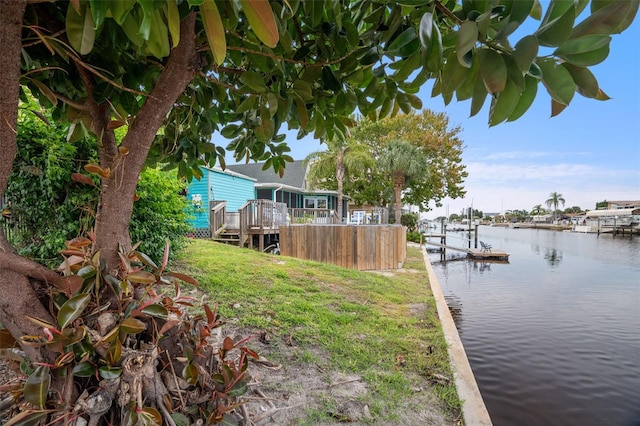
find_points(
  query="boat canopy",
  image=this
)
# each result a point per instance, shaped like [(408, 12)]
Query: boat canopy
[(613, 212)]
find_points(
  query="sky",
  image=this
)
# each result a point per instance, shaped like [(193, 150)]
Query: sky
[(588, 153)]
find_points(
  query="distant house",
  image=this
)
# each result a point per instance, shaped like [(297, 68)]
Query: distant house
[(614, 205), (217, 185), (291, 188)]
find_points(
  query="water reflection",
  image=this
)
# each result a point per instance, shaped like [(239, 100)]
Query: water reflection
[(553, 337), (553, 257)]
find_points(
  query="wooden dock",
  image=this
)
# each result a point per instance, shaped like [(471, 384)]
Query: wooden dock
[(476, 254)]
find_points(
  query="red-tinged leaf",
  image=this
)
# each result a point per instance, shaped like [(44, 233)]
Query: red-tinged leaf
[(78, 253), (69, 285), (39, 322), (165, 256), (96, 169), (243, 341), (115, 124), (136, 197), (6, 339), (556, 108), (78, 242), (64, 359), (150, 415), (80, 178), (123, 150), (36, 388), (210, 315), (132, 326), (28, 418), (183, 277), (72, 309), (228, 344), (168, 326), (214, 30), (142, 277), (250, 352), (261, 20), (204, 333)]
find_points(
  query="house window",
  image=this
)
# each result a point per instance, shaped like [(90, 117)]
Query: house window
[(315, 202)]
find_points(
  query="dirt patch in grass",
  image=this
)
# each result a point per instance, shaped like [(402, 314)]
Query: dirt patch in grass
[(296, 386)]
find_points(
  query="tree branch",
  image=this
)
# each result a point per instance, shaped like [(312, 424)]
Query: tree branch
[(24, 266)]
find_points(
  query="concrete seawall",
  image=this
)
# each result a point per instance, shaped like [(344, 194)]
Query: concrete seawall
[(474, 411)]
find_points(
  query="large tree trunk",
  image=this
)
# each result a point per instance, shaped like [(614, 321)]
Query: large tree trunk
[(118, 190), (18, 295)]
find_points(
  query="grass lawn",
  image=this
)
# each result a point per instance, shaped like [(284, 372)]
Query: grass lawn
[(331, 328)]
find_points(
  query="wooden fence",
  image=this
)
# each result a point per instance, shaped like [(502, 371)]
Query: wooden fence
[(362, 247)]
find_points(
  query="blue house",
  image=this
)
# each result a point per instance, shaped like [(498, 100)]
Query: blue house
[(217, 185), (291, 189)]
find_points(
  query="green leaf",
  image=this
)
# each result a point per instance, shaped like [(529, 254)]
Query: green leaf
[(426, 29), (157, 311), (84, 369), (504, 104), (190, 374), (405, 44), (261, 19), (479, 95), (109, 373), (239, 389), (180, 419), (36, 388), (98, 11), (81, 30), (584, 44), (214, 30), (526, 98), (142, 277), (330, 81), (246, 104), (557, 31), (146, 259), (120, 9), (254, 81), (492, 70), (303, 89), (588, 58), (132, 326), (613, 18), (147, 18), (467, 38), (432, 58), (558, 81), (72, 309), (370, 57), (173, 20), (586, 82), (525, 52)]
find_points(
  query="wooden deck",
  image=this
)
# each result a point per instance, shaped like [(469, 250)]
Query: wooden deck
[(476, 254)]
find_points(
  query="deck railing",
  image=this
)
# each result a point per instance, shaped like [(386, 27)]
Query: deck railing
[(218, 221), (323, 216), (262, 214)]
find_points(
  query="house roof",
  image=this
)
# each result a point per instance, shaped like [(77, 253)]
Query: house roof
[(294, 174)]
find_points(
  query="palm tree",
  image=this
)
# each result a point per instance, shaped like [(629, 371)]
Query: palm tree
[(537, 210), (343, 158), (402, 161), (554, 200)]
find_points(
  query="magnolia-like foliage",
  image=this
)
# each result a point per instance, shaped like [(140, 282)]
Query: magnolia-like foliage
[(309, 64)]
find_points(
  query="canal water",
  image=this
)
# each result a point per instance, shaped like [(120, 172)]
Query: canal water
[(553, 337)]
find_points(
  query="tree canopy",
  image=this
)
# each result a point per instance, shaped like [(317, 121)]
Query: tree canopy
[(171, 73), (438, 146)]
